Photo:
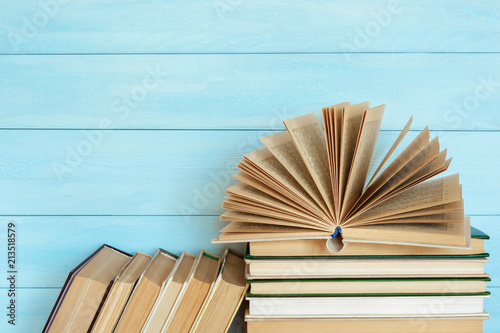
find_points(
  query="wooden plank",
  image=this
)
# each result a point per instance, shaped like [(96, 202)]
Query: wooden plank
[(176, 172), (49, 247), (34, 306), (492, 306), (221, 26), (445, 91)]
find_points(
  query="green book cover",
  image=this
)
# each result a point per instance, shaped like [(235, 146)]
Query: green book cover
[(487, 279), (476, 233), (486, 293), (479, 255)]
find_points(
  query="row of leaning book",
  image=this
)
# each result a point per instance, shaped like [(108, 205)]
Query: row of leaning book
[(338, 244), (112, 291)]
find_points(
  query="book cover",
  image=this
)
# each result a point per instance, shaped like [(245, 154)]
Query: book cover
[(69, 281)]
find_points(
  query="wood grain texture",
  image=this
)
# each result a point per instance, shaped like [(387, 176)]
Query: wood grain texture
[(176, 172), (147, 172), (445, 91), (223, 26)]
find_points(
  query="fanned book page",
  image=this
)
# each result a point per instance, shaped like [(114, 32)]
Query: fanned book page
[(312, 182)]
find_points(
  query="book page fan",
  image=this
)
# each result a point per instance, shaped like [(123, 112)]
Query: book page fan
[(311, 182)]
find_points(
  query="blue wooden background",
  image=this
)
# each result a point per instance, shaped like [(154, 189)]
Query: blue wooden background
[(121, 121)]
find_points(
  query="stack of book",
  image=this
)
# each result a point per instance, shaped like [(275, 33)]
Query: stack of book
[(112, 291), (300, 286), (340, 245)]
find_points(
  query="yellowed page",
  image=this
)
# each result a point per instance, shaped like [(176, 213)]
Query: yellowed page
[(237, 216), (250, 193), (363, 153), (399, 162), (338, 115), (282, 195), (430, 193), (236, 201), (266, 211), (264, 162), (446, 208), (254, 182), (393, 148), (448, 217), (331, 123), (328, 126), (307, 134), (419, 162), (351, 123), (259, 227), (278, 187), (424, 234), (227, 237), (413, 181), (256, 196), (430, 169), (271, 168), (423, 158), (239, 204), (282, 147)]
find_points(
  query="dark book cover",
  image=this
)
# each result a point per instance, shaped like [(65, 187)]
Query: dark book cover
[(68, 282)]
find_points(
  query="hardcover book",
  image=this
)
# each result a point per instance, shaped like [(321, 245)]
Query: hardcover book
[(119, 293), (376, 286), (193, 294), (317, 248), (457, 323), (368, 305), (84, 289), (145, 292), (225, 296), (169, 293), (348, 267)]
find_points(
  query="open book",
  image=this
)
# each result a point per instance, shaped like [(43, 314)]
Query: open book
[(312, 182)]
